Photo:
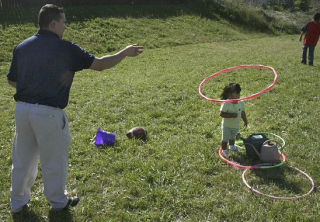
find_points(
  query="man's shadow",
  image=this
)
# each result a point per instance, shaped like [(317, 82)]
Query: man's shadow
[(53, 216), (58, 216), (26, 215)]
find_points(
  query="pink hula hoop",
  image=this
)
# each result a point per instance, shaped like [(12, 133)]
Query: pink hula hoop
[(243, 98), (260, 166), (278, 197)]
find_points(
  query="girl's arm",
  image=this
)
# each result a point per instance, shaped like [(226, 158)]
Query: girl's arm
[(228, 115), (244, 118)]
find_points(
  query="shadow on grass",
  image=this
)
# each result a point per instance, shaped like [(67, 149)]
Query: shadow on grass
[(58, 216), (241, 158), (26, 215), (278, 176), (116, 144)]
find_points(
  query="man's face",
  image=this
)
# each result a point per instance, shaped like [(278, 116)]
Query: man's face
[(59, 26)]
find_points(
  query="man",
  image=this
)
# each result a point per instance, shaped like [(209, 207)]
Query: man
[(311, 31), (42, 71)]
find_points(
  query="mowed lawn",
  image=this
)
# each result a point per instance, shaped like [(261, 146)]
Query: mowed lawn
[(177, 175)]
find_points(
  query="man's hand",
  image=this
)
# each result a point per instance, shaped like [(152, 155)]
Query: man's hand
[(108, 61), (133, 50)]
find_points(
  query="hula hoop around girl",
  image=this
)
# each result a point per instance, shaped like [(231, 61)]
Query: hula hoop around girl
[(284, 158)]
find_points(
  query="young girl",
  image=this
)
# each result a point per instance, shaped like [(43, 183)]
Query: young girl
[(231, 113)]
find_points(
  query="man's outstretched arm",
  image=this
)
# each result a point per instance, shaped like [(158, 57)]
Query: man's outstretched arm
[(108, 61)]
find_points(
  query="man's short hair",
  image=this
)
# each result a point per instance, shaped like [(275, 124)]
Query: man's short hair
[(48, 13), (316, 17)]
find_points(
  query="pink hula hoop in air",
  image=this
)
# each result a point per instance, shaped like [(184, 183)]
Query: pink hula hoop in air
[(278, 197), (243, 98)]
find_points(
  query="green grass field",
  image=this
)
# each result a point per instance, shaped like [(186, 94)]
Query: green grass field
[(176, 175)]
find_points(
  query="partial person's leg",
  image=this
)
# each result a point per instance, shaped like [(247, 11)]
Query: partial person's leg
[(224, 141), (52, 132), (233, 135), (225, 137), (224, 145), (304, 54), (311, 55), (25, 156)]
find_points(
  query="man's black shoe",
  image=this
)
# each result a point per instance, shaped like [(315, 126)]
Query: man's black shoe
[(72, 201)]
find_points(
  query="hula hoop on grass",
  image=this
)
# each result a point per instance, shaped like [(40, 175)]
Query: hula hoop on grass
[(278, 197), (260, 166), (243, 98)]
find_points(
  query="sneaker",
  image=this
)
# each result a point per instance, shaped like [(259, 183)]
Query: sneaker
[(234, 148), (72, 201), (225, 153)]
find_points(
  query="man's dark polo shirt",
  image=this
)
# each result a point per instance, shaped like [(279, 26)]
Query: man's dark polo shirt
[(43, 67)]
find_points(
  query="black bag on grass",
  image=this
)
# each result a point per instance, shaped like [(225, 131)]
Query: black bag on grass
[(255, 140)]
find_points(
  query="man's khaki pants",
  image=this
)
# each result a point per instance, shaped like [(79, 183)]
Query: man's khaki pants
[(41, 132)]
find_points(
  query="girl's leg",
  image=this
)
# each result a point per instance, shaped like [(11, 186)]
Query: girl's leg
[(231, 142), (224, 145), (224, 148), (232, 139), (225, 137)]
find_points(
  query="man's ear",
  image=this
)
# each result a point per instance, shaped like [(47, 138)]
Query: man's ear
[(52, 24)]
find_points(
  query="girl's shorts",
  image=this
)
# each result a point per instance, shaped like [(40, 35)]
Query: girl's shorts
[(229, 133)]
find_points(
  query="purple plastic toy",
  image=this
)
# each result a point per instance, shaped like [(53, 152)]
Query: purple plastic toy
[(104, 138)]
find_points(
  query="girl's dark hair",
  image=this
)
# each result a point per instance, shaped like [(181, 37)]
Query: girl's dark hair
[(316, 17), (48, 13), (229, 89)]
